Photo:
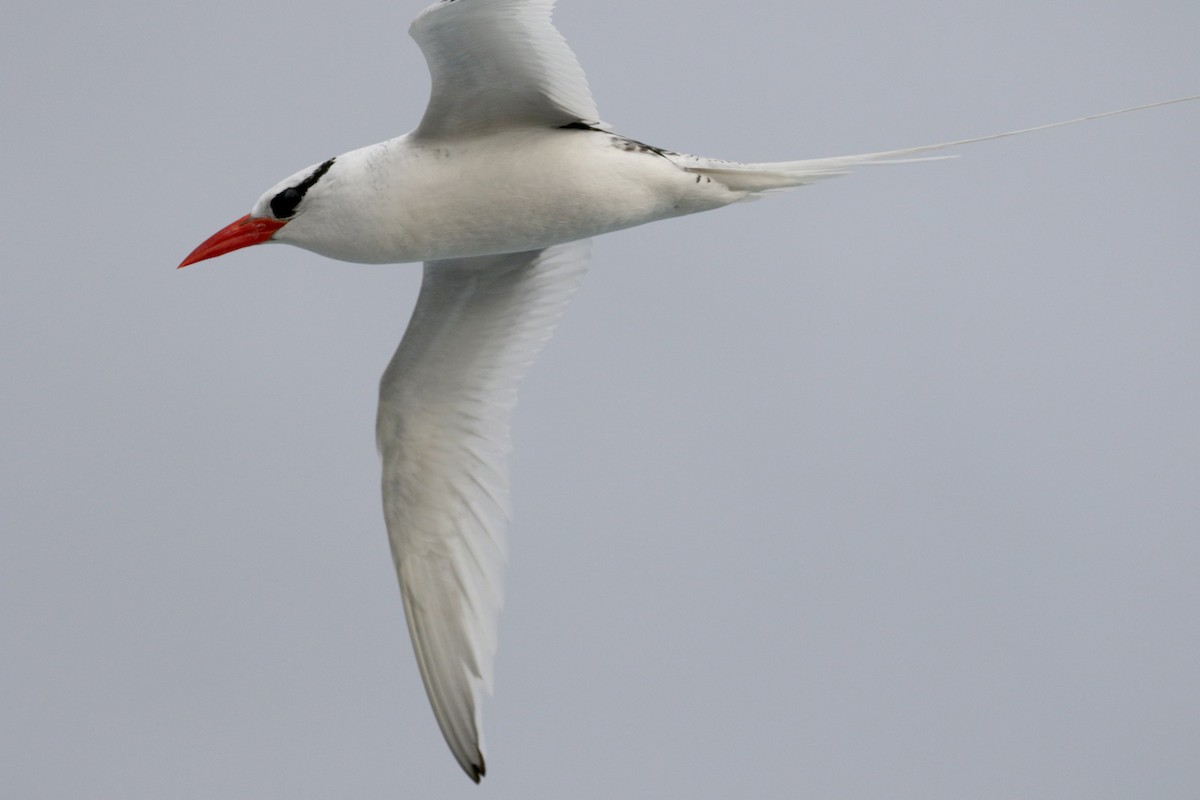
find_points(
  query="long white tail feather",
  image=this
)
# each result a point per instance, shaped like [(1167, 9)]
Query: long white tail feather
[(763, 178)]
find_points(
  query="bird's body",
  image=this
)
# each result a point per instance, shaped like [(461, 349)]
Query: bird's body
[(409, 199), (497, 191)]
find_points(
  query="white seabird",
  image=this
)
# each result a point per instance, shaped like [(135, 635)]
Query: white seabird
[(497, 190)]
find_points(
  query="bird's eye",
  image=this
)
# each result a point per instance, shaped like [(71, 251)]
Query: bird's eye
[(283, 205)]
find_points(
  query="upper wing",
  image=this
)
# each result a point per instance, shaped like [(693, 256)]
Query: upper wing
[(498, 63), (443, 431)]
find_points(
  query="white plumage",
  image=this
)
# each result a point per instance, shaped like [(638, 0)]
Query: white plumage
[(498, 63), (508, 172), (443, 431)]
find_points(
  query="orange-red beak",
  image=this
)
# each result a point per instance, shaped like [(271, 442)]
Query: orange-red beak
[(234, 236)]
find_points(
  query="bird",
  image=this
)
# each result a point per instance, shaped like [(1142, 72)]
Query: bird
[(498, 190)]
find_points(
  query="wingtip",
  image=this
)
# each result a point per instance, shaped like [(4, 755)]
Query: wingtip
[(476, 771)]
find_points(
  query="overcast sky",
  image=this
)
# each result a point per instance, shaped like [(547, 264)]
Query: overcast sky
[(885, 488)]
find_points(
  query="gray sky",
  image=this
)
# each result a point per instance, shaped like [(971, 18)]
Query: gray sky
[(885, 488)]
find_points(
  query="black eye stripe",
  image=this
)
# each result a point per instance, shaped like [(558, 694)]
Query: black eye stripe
[(284, 204)]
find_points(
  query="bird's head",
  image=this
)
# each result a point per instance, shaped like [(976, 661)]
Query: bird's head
[(281, 206)]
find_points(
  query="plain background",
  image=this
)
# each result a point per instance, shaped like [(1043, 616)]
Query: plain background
[(886, 488)]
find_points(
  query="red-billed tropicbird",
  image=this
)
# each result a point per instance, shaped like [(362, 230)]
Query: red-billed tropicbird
[(497, 190)]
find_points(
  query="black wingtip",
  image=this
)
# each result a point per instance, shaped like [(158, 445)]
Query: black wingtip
[(477, 771)]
